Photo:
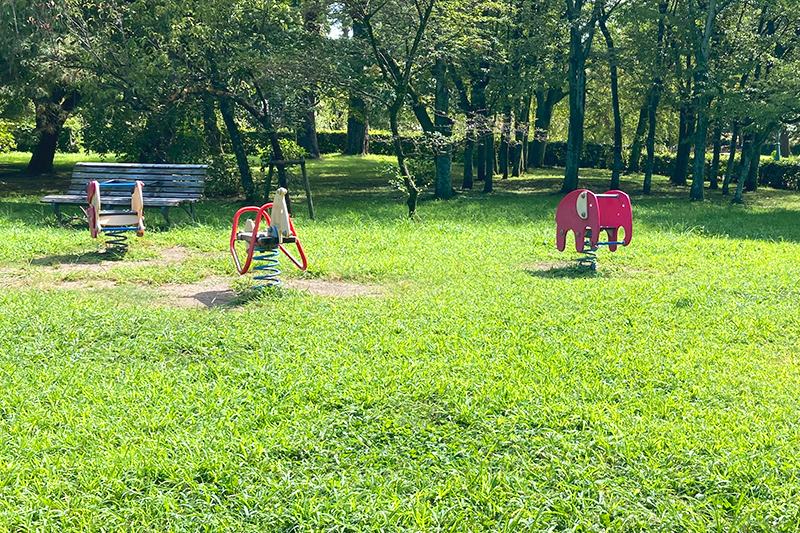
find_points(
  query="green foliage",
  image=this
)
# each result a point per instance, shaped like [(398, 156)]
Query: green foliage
[(291, 151), (7, 141), (26, 138), (222, 178), (380, 143), (594, 155), (783, 174), (331, 142)]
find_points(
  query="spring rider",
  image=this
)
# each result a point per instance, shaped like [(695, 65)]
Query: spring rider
[(587, 214), (115, 223), (264, 243)]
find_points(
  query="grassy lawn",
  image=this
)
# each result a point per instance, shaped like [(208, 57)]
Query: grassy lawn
[(477, 385)]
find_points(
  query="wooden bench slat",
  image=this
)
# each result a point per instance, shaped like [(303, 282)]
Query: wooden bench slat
[(128, 170), (138, 175), (81, 184), (151, 190), (139, 165), (148, 202), (196, 191)]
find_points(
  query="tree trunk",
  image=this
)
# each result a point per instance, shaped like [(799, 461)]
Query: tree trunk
[(545, 102), (521, 117), (210, 127), (747, 154), (444, 126), (408, 181), (612, 61), (685, 134), (481, 126), (714, 171), (481, 158), (702, 101), (357, 127), (307, 133), (44, 153), (634, 160), (653, 99), (51, 113), (751, 184), (502, 158), (491, 153), (731, 157), (357, 114), (505, 145), (652, 108), (469, 148), (578, 52), (226, 109), (783, 142), (489, 172), (700, 136)]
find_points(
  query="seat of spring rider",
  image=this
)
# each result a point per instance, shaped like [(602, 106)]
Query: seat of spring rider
[(118, 217), (614, 209), (264, 238)]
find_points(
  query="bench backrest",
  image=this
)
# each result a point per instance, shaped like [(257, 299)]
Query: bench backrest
[(160, 181)]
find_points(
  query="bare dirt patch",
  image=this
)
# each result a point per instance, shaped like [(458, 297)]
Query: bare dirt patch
[(216, 292), (18, 281)]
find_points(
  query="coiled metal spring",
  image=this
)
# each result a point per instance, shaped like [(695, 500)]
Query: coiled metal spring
[(268, 271), (589, 258), (116, 238)]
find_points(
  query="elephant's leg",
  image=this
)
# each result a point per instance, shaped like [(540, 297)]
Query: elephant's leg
[(579, 235), (612, 237), (561, 238)]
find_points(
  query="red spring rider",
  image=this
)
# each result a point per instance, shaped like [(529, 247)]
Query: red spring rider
[(265, 239), (587, 214)]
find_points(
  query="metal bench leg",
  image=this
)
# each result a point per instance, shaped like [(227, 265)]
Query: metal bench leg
[(190, 211), (165, 212), (57, 211)]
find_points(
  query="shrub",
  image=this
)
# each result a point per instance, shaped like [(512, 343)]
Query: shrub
[(594, 155), (222, 178), (331, 142), (7, 142), (783, 174), (380, 142), (291, 150)]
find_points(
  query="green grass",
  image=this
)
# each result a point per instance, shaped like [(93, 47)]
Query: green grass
[(488, 389)]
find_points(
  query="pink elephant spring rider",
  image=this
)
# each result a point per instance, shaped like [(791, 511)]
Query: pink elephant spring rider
[(587, 214), (115, 223)]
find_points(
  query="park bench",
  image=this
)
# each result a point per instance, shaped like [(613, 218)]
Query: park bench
[(165, 186)]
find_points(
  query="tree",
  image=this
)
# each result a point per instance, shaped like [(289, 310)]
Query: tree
[(581, 34), (396, 25), (33, 51), (702, 94)]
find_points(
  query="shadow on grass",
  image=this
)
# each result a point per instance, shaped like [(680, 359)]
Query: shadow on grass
[(561, 271), (112, 253), (224, 299), (256, 293)]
